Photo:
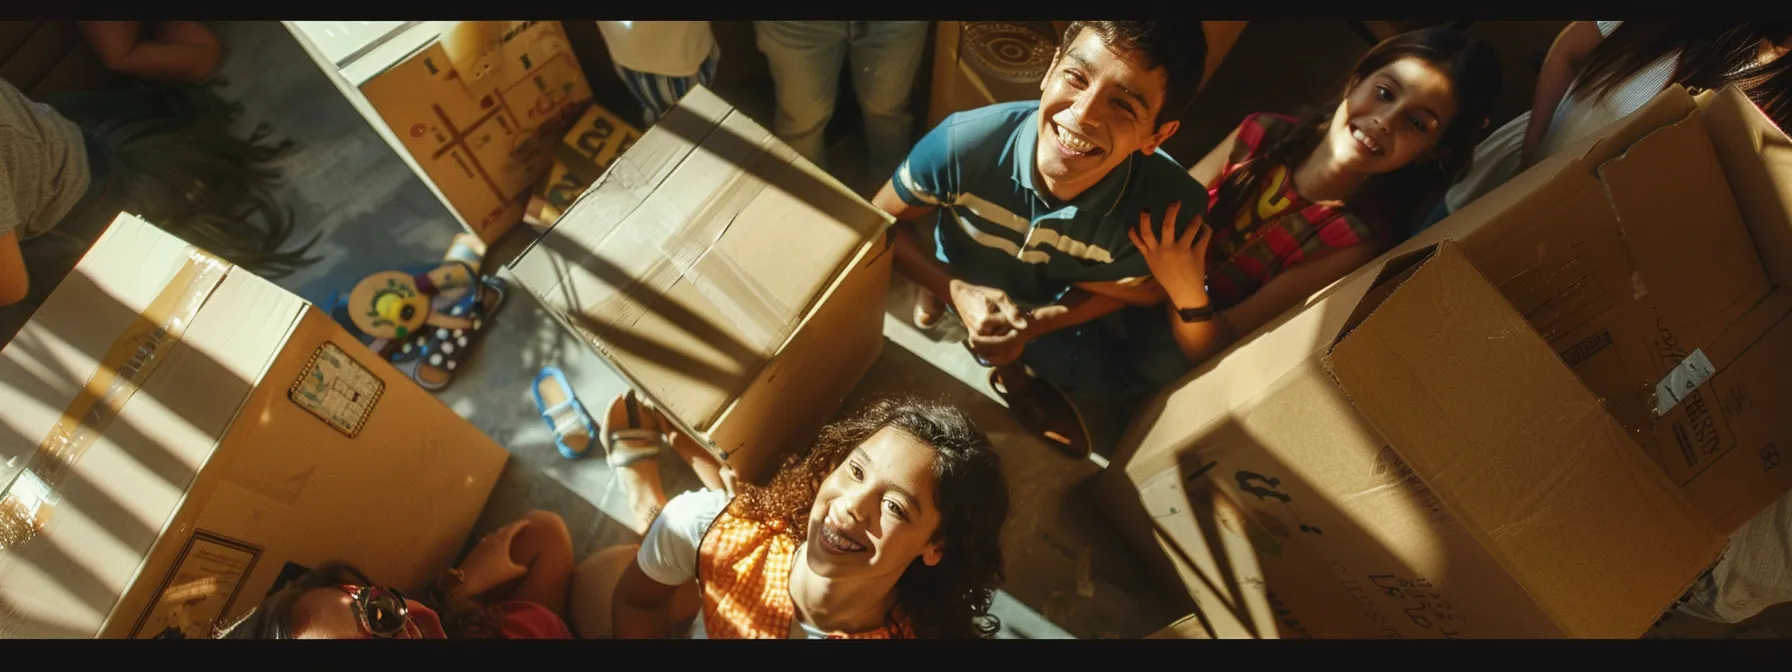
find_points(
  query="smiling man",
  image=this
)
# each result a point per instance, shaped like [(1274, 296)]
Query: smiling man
[(1033, 201)]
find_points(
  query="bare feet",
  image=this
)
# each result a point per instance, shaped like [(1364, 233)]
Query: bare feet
[(928, 309)]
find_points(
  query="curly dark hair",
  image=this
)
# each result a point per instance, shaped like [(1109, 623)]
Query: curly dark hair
[(1179, 47), (272, 619), (947, 600)]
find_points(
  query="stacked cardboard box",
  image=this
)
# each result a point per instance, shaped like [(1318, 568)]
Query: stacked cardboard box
[(733, 283), (1543, 427), (179, 435), (485, 137)]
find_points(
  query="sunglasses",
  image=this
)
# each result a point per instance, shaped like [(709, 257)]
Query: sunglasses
[(381, 612)]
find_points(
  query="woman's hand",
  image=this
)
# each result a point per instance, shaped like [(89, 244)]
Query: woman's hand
[(1178, 263)]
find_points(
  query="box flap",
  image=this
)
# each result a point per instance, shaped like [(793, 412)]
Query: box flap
[(1518, 449), (1757, 158), (1684, 232), (693, 259)]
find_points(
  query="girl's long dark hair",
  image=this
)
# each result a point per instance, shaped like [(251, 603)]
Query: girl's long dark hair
[(1712, 55), (1474, 72), (947, 600)]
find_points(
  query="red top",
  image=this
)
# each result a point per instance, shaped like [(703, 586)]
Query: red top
[(522, 620), (1279, 229)]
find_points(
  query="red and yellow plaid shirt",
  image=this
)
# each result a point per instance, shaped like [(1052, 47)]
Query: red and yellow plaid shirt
[(743, 570), (1277, 229)]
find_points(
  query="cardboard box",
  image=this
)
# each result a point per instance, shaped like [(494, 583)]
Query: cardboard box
[(734, 284), (162, 465), (582, 156), (1666, 237), (978, 63), (485, 138), (1188, 627)]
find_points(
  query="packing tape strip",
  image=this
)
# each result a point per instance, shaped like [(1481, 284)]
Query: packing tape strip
[(27, 501), (757, 314), (685, 254)]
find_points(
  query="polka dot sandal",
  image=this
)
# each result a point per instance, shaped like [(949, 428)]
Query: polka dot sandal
[(437, 353)]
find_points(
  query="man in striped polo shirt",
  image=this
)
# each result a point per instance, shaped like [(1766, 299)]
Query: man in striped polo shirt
[(1033, 201)]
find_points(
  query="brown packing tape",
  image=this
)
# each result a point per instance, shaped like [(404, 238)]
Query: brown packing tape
[(756, 315), (32, 494)]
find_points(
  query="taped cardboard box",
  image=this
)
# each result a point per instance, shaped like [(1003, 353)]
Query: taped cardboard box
[(177, 434), (485, 137), (580, 159), (1263, 484), (733, 283)]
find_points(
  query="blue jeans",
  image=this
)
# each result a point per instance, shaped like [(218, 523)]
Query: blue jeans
[(805, 59), (1121, 358)]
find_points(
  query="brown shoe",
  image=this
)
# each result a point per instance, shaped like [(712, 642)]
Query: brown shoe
[(1048, 414), (928, 309)]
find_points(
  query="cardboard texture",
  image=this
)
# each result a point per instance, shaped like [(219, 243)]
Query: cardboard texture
[(485, 138), (241, 435), (1188, 627), (1627, 255), (734, 284), (1520, 452)]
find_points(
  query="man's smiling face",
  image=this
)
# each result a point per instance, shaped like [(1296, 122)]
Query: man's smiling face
[(1099, 105)]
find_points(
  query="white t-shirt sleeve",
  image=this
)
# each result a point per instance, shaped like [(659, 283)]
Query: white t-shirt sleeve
[(668, 552), (1606, 27)]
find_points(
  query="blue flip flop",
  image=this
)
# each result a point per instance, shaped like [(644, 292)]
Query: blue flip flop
[(565, 417)]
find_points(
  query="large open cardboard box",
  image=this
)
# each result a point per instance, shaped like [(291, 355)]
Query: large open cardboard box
[(176, 435), (1451, 486), (731, 282)]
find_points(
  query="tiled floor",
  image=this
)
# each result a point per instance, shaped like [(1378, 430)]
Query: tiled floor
[(1068, 576)]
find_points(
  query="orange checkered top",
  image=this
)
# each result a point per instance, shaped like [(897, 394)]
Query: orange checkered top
[(743, 570)]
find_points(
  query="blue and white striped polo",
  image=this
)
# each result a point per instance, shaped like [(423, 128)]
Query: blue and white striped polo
[(1000, 228)]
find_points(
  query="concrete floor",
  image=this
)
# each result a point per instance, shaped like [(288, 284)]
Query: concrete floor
[(1068, 575)]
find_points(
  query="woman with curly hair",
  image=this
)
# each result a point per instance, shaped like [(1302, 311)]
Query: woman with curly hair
[(888, 527)]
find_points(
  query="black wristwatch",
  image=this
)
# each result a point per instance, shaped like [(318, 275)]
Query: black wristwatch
[(1202, 314)]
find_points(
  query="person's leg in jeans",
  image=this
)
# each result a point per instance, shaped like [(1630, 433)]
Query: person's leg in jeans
[(805, 59), (885, 56), (658, 93)]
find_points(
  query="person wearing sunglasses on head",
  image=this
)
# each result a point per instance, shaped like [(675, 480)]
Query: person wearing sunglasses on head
[(512, 586)]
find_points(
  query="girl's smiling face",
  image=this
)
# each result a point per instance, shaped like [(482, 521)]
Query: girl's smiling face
[(1393, 117), (876, 513)]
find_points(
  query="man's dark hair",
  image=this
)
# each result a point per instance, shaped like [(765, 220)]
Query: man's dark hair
[(1179, 47)]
